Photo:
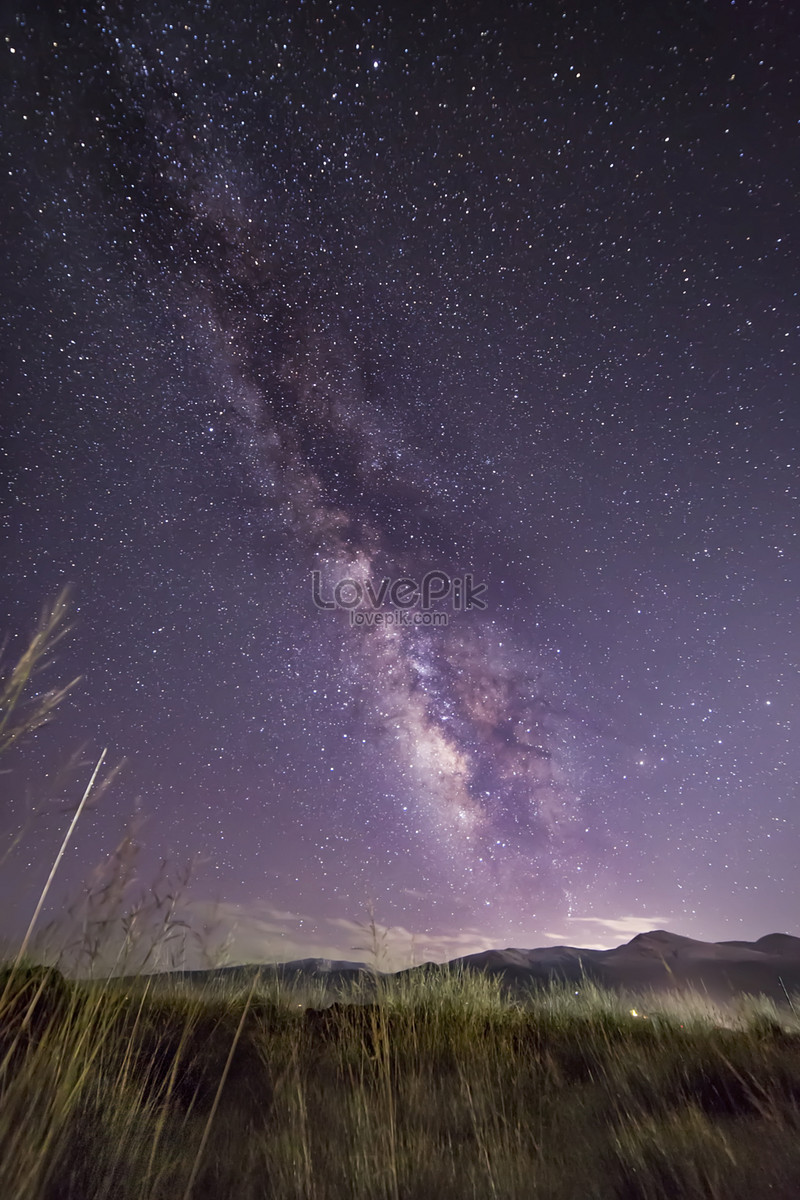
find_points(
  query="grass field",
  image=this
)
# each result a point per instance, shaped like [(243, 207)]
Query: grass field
[(430, 1088)]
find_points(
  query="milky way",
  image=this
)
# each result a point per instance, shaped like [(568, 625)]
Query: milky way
[(470, 732), (374, 294)]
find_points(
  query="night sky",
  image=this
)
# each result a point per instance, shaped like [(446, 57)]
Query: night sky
[(499, 290)]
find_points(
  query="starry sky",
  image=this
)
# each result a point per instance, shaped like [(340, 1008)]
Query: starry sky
[(372, 291)]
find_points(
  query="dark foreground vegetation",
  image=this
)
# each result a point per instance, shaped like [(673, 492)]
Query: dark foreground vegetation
[(437, 1088)]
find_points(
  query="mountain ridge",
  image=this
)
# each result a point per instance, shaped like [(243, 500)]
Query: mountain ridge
[(655, 960)]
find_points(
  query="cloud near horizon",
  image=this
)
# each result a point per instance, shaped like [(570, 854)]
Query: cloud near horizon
[(617, 927), (260, 933)]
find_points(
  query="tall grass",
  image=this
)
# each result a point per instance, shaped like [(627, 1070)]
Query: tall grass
[(438, 1085)]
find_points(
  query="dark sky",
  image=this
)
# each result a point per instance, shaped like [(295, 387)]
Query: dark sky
[(501, 290)]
